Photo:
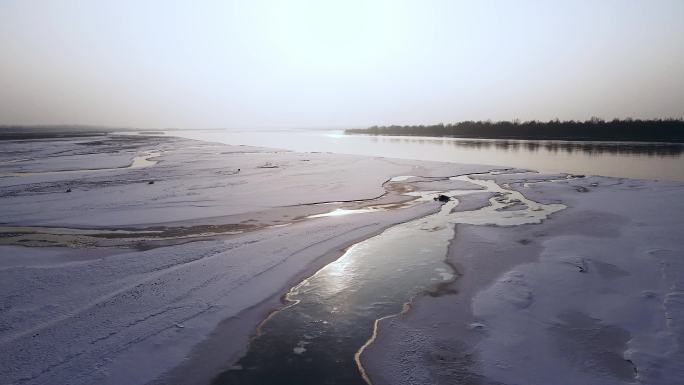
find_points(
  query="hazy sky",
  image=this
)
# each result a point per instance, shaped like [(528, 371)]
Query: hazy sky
[(337, 63)]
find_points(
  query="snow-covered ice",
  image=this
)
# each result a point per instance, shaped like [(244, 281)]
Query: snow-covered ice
[(576, 280), (590, 296), (124, 314)]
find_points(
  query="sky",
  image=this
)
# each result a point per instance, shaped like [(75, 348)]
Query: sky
[(337, 64)]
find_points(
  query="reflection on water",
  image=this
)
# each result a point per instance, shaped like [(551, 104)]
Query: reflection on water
[(596, 148), (318, 339), (341, 212), (621, 159), (366, 209)]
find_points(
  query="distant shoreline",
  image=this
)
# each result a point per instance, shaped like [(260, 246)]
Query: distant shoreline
[(628, 130), (53, 131)]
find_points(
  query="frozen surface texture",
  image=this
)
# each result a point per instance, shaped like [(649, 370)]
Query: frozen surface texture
[(592, 295), (191, 180), (128, 315)]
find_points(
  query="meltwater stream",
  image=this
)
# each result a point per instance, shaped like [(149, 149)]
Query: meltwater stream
[(332, 313)]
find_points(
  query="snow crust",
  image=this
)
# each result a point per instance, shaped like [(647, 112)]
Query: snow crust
[(192, 180), (115, 316), (592, 295)]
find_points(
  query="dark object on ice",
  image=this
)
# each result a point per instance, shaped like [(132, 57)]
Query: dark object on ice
[(150, 182), (68, 189), (442, 198), (268, 165), (238, 170), (581, 189), (582, 266)]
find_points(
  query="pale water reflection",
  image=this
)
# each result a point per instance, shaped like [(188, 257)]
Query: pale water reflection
[(319, 337), (632, 160)]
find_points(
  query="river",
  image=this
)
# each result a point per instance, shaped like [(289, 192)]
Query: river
[(319, 337), (656, 161)]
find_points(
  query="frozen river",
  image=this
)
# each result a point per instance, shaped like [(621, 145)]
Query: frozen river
[(333, 314)]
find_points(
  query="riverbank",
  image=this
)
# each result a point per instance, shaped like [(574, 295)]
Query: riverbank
[(592, 295), (595, 129), (161, 273), (653, 161), (102, 297)]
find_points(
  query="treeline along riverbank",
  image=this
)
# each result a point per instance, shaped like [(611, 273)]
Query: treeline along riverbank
[(628, 130)]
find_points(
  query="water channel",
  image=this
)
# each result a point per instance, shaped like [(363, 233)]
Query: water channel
[(318, 338)]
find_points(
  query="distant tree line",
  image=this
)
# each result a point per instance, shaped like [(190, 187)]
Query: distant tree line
[(628, 130)]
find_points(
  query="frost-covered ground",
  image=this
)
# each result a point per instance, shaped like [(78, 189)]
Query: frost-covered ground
[(594, 295), (191, 180), (79, 314), (139, 283)]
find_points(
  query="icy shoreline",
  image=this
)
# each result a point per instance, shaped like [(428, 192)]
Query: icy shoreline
[(592, 295), (130, 314), (140, 310)]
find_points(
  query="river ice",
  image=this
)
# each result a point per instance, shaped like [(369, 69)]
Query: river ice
[(126, 315), (591, 294)]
